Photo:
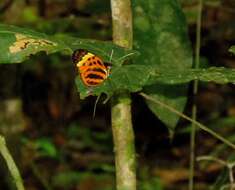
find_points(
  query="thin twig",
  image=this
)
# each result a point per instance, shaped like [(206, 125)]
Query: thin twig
[(11, 164), (195, 91), (229, 165), (201, 126), (211, 158)]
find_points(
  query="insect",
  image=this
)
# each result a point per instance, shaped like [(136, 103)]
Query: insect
[(93, 71)]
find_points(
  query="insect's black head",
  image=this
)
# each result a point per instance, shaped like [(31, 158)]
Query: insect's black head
[(78, 54)]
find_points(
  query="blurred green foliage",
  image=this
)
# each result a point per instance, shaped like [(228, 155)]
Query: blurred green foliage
[(63, 144)]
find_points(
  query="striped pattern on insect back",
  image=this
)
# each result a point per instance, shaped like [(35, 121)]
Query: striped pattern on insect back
[(92, 70)]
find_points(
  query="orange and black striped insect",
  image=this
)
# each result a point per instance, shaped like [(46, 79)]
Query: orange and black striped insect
[(92, 69)]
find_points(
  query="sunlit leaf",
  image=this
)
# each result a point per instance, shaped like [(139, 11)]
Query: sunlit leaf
[(17, 44)]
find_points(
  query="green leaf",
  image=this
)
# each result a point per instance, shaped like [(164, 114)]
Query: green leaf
[(17, 44), (160, 34), (219, 75), (128, 77), (46, 148), (108, 51), (232, 49), (133, 77)]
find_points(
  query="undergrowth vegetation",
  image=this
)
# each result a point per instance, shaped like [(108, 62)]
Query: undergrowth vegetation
[(46, 115)]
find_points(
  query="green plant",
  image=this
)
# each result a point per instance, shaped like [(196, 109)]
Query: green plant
[(159, 67)]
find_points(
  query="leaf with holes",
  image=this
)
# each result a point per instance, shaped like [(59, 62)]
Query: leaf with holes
[(18, 44)]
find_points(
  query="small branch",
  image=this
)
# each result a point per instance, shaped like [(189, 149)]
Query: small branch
[(11, 164), (231, 179), (229, 165), (195, 91), (201, 126), (211, 158)]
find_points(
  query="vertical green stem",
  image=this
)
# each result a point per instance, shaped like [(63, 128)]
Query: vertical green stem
[(124, 142), (123, 134), (195, 90), (122, 23), (11, 164)]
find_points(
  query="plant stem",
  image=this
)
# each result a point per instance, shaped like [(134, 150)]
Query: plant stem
[(195, 91), (124, 142), (122, 23), (123, 134), (11, 164)]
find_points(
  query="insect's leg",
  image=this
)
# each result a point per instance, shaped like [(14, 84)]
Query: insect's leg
[(94, 109)]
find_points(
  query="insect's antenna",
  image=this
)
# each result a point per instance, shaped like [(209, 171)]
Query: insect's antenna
[(129, 54), (96, 102), (111, 56)]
